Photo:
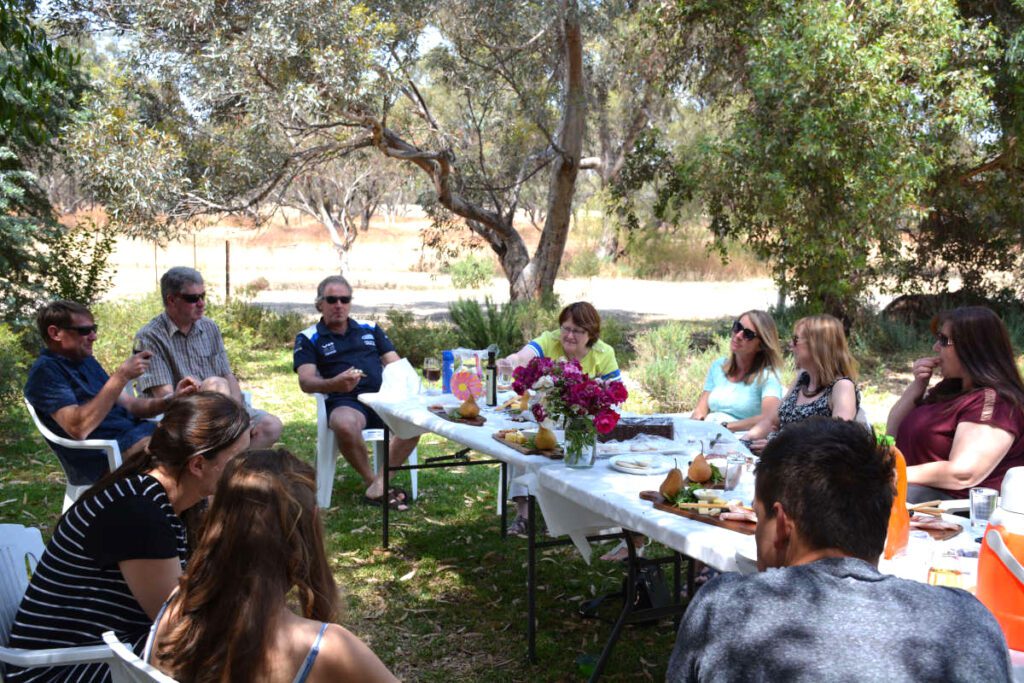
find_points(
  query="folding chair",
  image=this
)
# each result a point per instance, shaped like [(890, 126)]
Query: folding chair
[(128, 667), (76, 485), (20, 550)]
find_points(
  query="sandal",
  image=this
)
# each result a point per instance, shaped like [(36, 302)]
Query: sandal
[(620, 553), (396, 500), (519, 527)]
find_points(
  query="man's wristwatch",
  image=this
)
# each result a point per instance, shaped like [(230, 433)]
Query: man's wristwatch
[(725, 423)]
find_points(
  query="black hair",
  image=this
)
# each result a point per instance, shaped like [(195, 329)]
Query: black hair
[(835, 482)]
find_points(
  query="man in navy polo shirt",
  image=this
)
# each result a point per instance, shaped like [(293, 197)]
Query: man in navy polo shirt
[(342, 358), (75, 397)]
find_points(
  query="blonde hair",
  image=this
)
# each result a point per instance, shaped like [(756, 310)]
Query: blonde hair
[(827, 347), (769, 356)]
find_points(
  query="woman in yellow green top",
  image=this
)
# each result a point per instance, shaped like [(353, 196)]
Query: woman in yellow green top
[(578, 337)]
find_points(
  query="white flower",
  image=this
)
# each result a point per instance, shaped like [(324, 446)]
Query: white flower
[(543, 383)]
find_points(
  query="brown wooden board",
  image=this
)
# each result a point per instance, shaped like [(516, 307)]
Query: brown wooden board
[(443, 413), (554, 454), (747, 528)]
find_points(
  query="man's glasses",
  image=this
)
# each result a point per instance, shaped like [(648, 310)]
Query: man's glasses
[(748, 334), (83, 330), (338, 299), (943, 340), (193, 298), (572, 331)]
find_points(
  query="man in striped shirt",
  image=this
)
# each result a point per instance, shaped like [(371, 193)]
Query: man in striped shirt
[(185, 343)]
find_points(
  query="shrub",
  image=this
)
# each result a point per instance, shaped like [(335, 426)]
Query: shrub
[(584, 263), (472, 272), (667, 368), (417, 340), (118, 322), (480, 326), (14, 365), (79, 266), (535, 317)]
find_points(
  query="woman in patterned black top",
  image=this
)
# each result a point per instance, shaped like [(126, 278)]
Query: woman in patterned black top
[(825, 384), (117, 553)]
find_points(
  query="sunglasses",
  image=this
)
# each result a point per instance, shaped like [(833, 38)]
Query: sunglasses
[(943, 340), (796, 340), (336, 299), (193, 298), (748, 334), (83, 330)]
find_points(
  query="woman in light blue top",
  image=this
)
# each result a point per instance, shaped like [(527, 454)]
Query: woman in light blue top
[(744, 387), (261, 549)]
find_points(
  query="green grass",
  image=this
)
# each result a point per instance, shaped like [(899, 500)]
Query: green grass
[(447, 601)]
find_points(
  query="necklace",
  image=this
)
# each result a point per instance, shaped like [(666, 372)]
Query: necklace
[(811, 394)]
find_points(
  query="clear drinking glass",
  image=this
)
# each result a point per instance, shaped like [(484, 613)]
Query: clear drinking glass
[(504, 375), (734, 464), (431, 374), (983, 504)]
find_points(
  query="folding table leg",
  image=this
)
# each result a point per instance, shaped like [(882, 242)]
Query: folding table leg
[(531, 581), (504, 497), (386, 448), (627, 608)]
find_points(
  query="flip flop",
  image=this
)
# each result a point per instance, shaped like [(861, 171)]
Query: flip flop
[(394, 501)]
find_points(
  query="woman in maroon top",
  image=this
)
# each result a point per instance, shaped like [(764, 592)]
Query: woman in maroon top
[(966, 430)]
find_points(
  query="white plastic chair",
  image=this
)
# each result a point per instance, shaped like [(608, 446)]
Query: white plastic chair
[(327, 455), (20, 550), (108, 447), (127, 667)]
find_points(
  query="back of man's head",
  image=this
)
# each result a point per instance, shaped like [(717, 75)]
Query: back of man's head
[(58, 314), (176, 279), (833, 481)]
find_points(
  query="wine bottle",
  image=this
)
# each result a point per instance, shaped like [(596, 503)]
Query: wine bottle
[(492, 379)]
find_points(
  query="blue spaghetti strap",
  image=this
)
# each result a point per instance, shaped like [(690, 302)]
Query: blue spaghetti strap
[(147, 652), (307, 663)]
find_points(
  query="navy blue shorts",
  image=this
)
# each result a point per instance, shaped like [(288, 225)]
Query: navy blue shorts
[(373, 420)]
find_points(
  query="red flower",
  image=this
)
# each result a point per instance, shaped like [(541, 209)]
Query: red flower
[(606, 420), (617, 391)]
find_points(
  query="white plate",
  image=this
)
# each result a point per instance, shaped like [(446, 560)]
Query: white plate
[(658, 465)]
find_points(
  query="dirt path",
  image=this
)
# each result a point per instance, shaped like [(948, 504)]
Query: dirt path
[(628, 300)]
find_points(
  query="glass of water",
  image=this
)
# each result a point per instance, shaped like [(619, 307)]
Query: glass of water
[(983, 504)]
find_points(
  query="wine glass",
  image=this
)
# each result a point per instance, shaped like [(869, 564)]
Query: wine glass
[(504, 375), (431, 373)]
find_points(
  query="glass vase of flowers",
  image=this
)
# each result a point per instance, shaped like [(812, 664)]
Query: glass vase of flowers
[(564, 393)]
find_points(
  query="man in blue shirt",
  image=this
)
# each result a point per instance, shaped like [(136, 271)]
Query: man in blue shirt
[(75, 397), (342, 358)]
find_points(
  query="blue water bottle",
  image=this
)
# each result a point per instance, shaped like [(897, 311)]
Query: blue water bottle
[(447, 368)]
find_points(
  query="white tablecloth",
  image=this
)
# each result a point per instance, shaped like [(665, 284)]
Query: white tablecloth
[(577, 503)]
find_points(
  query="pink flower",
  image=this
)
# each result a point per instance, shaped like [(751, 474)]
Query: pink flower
[(617, 391), (606, 420), (538, 412)]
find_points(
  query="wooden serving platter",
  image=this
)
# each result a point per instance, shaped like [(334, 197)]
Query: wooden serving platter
[(747, 528), (554, 453), (442, 413)]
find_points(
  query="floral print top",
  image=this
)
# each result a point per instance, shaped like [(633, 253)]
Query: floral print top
[(790, 411)]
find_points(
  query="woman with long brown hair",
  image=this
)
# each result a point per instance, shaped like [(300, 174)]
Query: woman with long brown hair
[(964, 431), (825, 383), (230, 619), (118, 552), (743, 388)]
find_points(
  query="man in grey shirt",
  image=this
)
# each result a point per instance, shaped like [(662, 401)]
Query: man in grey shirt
[(820, 610), (185, 343)]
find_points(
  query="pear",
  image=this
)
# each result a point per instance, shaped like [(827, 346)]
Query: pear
[(469, 409), (524, 401), (700, 470), (672, 485), (545, 439)]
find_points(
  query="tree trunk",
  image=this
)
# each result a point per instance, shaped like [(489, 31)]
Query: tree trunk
[(539, 277)]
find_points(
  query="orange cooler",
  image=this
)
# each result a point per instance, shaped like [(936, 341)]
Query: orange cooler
[(1001, 562)]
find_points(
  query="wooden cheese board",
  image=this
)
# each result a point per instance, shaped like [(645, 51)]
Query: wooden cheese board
[(730, 524), (444, 413), (554, 453)]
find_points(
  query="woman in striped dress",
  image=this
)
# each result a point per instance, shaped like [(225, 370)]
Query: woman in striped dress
[(117, 553)]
